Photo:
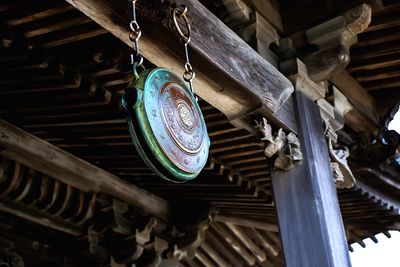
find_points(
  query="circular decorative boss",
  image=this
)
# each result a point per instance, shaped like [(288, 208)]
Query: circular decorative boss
[(166, 125)]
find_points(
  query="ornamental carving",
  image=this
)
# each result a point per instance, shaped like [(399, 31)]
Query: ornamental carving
[(283, 148), (341, 172)]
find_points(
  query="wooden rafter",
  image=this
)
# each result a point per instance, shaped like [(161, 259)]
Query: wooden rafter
[(39, 155), (247, 222)]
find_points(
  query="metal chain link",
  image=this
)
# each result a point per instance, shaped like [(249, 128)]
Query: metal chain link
[(134, 36), (180, 13)]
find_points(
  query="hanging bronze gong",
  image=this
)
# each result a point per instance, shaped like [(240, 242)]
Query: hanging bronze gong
[(166, 125)]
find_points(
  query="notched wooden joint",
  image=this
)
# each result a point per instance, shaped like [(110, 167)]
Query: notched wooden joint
[(298, 74), (283, 148)]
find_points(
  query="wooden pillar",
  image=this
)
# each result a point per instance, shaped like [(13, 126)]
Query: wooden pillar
[(310, 222)]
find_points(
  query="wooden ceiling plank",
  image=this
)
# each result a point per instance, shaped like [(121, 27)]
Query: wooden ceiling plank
[(383, 84), (378, 37), (69, 35), (393, 22), (374, 51), (40, 13), (51, 24), (374, 63)]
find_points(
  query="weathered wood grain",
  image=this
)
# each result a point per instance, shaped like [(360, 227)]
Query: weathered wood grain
[(29, 214), (231, 75), (48, 159), (308, 212), (269, 9), (334, 39), (251, 223), (364, 114)]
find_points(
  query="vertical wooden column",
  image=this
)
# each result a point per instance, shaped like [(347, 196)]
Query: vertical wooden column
[(310, 222)]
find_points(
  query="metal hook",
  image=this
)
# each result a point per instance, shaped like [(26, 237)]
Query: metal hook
[(178, 13)]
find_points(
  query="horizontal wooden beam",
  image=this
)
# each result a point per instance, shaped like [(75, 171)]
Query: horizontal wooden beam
[(39, 155), (239, 220), (30, 214), (231, 76), (364, 116)]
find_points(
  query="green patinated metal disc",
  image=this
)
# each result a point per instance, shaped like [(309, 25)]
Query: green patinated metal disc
[(166, 125)]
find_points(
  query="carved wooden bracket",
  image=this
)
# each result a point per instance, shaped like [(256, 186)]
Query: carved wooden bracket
[(284, 149), (188, 250), (334, 38), (332, 112), (248, 23), (342, 174), (135, 243), (127, 239)]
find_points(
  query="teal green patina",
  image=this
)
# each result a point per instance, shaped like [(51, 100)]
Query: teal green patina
[(166, 125)]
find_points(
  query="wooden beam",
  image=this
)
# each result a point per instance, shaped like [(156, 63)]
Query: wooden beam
[(239, 220), (39, 155), (308, 212), (334, 39), (231, 75), (270, 10), (364, 116), (30, 214)]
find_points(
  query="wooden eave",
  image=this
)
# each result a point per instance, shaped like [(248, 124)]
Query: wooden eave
[(74, 106)]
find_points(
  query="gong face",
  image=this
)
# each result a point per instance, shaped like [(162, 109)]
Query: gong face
[(181, 118), (176, 121)]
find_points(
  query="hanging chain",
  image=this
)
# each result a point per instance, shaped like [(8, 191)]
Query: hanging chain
[(134, 36), (180, 13)]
